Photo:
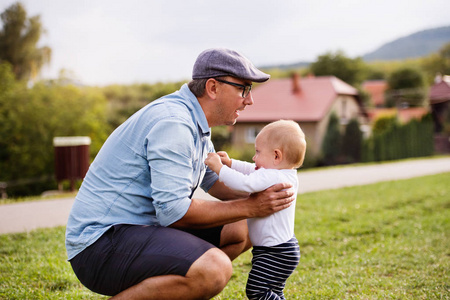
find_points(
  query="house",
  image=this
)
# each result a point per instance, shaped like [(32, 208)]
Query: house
[(309, 101), (376, 90), (404, 115), (439, 101), (440, 107)]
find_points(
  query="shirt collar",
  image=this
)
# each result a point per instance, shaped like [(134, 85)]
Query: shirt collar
[(196, 108)]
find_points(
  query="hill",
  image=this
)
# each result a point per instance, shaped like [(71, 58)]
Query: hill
[(418, 44), (297, 65)]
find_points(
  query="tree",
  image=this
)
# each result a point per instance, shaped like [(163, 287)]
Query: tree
[(332, 142), (437, 63), (7, 86), (31, 117), (407, 85), (349, 70), (352, 142), (18, 42)]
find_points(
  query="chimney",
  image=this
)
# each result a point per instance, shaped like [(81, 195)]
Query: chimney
[(295, 84)]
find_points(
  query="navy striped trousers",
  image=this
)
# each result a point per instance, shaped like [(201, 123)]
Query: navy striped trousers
[(271, 267)]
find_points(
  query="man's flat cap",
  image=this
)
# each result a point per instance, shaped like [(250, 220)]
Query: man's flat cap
[(218, 62)]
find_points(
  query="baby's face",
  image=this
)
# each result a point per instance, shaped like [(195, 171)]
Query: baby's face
[(264, 154)]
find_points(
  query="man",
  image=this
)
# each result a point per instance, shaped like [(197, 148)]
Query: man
[(134, 231)]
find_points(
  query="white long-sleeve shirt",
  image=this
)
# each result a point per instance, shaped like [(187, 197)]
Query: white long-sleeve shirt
[(276, 228)]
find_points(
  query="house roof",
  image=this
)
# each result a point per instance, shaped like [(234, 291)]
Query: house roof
[(404, 115), (299, 99), (440, 91), (376, 89)]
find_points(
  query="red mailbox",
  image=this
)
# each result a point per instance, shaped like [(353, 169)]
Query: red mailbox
[(71, 158)]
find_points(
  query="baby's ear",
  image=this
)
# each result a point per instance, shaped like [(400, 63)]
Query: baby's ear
[(278, 156)]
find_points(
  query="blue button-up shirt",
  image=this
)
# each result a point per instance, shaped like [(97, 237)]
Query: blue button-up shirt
[(146, 172)]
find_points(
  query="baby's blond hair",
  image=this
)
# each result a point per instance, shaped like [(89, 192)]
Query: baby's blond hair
[(288, 137)]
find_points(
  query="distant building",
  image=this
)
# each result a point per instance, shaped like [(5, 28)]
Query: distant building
[(439, 101), (376, 90), (440, 108), (404, 115)]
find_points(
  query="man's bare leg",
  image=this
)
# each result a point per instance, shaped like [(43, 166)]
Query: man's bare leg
[(206, 278), (234, 239)]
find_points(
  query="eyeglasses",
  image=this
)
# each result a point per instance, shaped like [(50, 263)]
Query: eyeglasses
[(245, 88)]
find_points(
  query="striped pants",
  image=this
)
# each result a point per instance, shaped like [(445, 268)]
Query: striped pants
[(271, 267)]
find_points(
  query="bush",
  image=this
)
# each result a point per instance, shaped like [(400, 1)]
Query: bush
[(244, 153), (391, 140), (221, 137), (352, 142), (32, 117)]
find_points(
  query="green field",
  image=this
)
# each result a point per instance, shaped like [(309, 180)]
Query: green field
[(382, 241)]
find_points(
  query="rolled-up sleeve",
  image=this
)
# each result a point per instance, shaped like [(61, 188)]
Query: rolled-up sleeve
[(170, 153), (210, 176)]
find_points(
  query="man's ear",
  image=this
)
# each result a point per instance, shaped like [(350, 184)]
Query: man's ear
[(211, 88), (278, 158)]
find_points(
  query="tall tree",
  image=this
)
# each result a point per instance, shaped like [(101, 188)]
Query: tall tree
[(347, 69), (437, 63), (352, 142), (407, 85), (332, 142), (18, 42)]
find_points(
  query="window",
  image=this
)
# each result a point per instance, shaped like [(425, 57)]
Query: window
[(344, 119), (251, 133)]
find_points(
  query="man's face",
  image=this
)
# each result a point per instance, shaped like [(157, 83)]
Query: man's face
[(230, 101)]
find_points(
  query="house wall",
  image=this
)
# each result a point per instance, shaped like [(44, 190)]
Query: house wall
[(346, 108), (239, 132)]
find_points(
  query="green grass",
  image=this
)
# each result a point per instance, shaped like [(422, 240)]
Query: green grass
[(387, 240)]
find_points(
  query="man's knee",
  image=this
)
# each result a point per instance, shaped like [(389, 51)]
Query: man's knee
[(211, 272)]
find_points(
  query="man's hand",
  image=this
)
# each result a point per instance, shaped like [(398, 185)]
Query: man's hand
[(213, 161), (271, 200), (225, 158)]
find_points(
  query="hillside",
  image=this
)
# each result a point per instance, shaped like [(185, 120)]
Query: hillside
[(419, 44)]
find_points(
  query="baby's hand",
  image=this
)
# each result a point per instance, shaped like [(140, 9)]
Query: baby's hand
[(225, 158), (213, 162)]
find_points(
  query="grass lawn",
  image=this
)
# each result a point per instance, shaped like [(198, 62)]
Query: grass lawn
[(382, 241)]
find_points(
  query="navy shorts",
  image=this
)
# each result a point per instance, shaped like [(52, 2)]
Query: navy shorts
[(128, 254)]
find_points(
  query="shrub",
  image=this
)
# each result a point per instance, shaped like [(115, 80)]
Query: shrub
[(352, 142), (331, 146)]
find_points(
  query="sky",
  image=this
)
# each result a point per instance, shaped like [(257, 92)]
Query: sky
[(101, 42)]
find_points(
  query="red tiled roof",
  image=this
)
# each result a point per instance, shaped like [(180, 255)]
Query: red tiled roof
[(404, 115), (276, 99), (376, 89), (440, 92)]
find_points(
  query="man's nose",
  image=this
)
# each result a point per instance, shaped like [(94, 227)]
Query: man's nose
[(249, 99)]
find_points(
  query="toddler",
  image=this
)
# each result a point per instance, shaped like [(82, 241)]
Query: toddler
[(279, 150)]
